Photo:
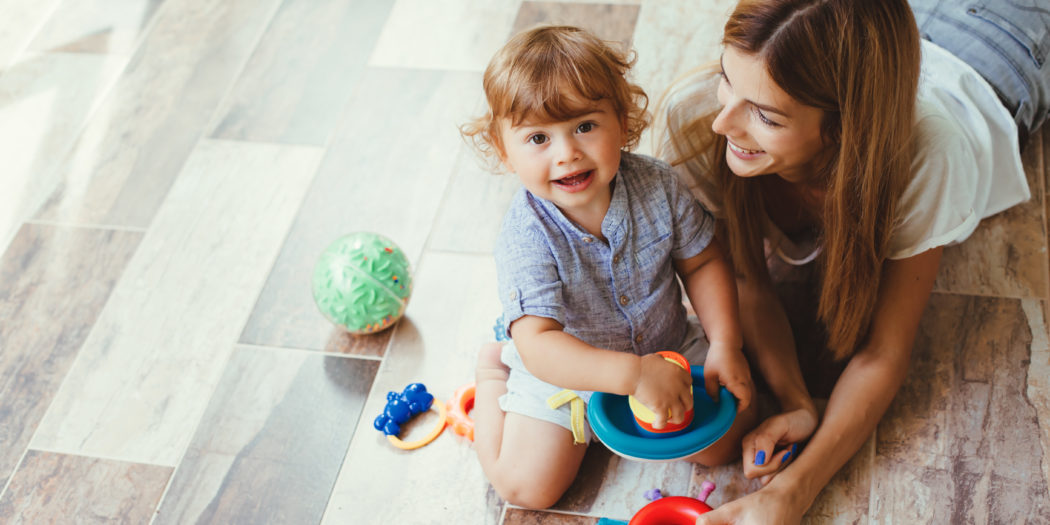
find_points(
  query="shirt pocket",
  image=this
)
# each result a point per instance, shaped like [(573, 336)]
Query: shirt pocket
[(653, 251), (1021, 22)]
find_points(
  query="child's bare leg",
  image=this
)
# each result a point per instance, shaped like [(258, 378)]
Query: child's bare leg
[(728, 448), (529, 462)]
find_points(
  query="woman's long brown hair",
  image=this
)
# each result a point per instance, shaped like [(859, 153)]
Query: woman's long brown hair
[(858, 61)]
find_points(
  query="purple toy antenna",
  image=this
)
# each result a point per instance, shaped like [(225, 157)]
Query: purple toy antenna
[(706, 488)]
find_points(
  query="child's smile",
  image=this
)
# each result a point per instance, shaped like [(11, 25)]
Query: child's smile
[(576, 182)]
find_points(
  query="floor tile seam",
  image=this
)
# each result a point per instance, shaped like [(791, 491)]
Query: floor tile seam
[(24, 46), (196, 429), (442, 206), (11, 477), (200, 420), (988, 295), (79, 355), (103, 457), (372, 389), (559, 512), (309, 351), (88, 225), (209, 126), (67, 151), (1044, 155)]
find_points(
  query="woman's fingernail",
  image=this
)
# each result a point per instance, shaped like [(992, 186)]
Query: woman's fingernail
[(794, 449), (787, 456), (760, 458)]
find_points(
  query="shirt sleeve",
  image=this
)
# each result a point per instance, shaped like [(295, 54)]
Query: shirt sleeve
[(527, 274), (938, 206)]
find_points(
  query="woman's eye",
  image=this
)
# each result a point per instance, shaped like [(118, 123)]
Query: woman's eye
[(765, 120), (585, 127), (538, 139)]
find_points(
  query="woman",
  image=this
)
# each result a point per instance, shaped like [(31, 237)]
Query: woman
[(842, 141)]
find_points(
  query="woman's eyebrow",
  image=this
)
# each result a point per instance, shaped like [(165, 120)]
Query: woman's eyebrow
[(763, 107)]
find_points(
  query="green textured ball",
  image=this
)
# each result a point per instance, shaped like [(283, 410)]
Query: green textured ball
[(362, 282)]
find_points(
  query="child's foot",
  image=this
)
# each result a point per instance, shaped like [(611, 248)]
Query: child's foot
[(490, 367)]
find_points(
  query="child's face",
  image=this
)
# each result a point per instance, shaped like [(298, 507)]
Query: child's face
[(570, 163)]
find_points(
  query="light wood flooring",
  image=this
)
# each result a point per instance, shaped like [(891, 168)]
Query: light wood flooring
[(170, 171)]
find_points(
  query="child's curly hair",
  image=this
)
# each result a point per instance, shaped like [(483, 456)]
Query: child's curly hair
[(542, 73)]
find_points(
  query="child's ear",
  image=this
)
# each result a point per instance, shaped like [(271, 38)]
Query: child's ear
[(504, 161), (623, 131)]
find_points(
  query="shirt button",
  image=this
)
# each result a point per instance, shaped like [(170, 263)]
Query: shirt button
[(588, 239), (616, 259), (624, 300), (638, 338), (513, 295)]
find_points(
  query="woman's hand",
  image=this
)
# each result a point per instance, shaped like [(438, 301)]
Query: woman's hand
[(768, 506), (774, 443), (663, 387)]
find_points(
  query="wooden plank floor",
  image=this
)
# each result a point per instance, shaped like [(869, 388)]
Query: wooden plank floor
[(172, 170)]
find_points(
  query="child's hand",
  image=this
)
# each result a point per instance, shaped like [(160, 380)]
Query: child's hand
[(727, 366), (664, 387)]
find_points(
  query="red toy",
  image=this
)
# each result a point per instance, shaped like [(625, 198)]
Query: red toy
[(675, 510)]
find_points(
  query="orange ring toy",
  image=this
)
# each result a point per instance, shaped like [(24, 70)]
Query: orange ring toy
[(459, 407), (412, 445)]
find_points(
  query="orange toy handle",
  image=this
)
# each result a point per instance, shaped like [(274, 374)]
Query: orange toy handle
[(675, 358), (459, 408)]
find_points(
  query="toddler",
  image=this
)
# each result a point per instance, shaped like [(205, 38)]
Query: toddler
[(586, 259)]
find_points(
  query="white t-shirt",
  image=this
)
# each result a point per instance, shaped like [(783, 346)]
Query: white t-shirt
[(967, 166)]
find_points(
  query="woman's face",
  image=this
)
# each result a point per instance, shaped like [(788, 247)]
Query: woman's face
[(768, 131)]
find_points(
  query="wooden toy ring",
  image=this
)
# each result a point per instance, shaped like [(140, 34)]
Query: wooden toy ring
[(458, 409), (412, 445)]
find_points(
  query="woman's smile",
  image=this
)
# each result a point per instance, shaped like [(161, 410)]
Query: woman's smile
[(743, 153)]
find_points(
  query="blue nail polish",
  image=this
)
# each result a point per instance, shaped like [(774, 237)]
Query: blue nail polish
[(787, 456), (760, 458), (794, 449)]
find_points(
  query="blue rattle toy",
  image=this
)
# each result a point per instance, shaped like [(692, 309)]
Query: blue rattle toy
[(616, 426), (414, 399)]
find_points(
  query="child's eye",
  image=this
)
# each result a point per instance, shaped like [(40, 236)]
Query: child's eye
[(538, 139), (585, 127)]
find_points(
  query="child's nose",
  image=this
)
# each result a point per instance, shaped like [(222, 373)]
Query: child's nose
[(568, 151)]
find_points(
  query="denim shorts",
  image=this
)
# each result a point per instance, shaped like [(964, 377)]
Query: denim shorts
[(1006, 41)]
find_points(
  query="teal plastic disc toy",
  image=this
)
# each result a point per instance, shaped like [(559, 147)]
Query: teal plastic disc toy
[(614, 425), (362, 282)]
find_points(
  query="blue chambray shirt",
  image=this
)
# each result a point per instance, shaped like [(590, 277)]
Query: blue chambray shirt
[(623, 295)]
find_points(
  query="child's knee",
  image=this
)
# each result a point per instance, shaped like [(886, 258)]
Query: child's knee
[(528, 494), (489, 355)]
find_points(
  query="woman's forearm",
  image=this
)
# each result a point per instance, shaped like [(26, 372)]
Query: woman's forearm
[(860, 398), (770, 346)]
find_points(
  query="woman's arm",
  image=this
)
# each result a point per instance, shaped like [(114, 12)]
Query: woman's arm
[(771, 349), (871, 379), (860, 398)]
